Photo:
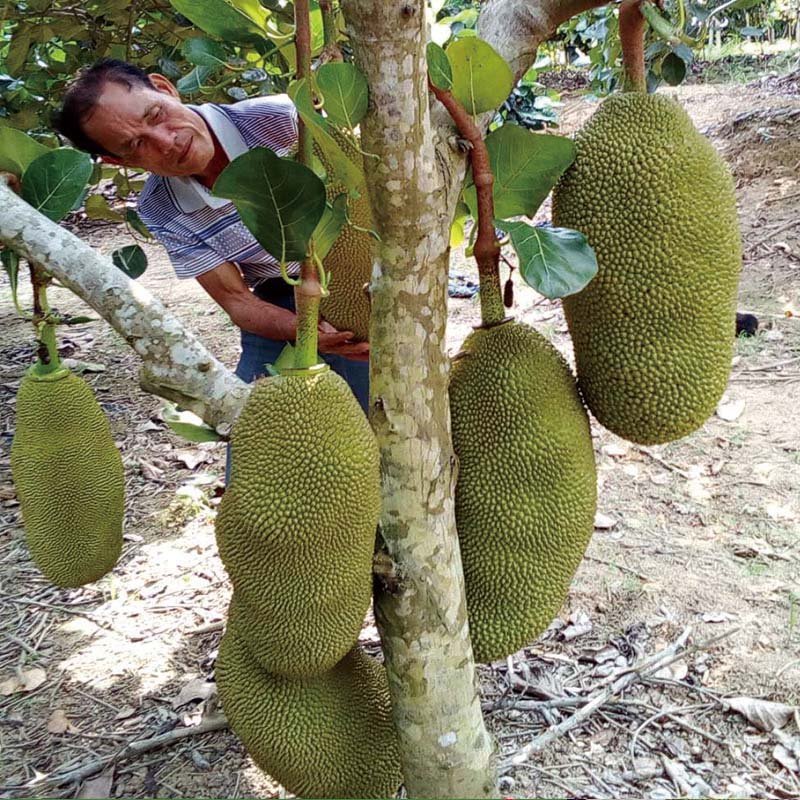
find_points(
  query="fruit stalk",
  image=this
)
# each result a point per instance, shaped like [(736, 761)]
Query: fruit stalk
[(487, 248), (47, 353), (631, 36), (331, 51), (308, 292)]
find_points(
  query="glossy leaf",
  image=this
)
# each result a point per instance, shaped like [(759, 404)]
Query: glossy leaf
[(135, 221), (556, 262), (673, 69), (188, 425), (194, 81), (203, 52), (330, 226), (17, 150), (280, 201), (97, 207), (482, 79), (345, 92), (55, 181), (526, 166), (230, 20), (131, 259), (439, 70), (343, 168)]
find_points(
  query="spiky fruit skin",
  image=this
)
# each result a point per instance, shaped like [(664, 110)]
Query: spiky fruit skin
[(326, 736), (349, 261), (69, 479), (527, 486), (296, 526), (654, 330)]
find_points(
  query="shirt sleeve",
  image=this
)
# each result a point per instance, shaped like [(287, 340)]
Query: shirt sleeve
[(268, 122), (189, 255)]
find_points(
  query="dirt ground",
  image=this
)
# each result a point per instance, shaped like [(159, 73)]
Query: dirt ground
[(696, 542)]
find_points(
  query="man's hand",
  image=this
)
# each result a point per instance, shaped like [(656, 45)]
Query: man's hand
[(338, 343)]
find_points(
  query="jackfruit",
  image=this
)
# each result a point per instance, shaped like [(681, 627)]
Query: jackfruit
[(330, 735), (349, 261), (296, 526), (653, 332), (527, 487), (69, 478)]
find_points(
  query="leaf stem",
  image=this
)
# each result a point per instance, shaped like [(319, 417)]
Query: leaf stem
[(487, 248)]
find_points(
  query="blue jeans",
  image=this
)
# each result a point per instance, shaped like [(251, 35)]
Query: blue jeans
[(257, 352)]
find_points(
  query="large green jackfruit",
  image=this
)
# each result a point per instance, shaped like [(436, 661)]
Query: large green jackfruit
[(349, 261), (653, 332), (527, 487), (69, 478), (330, 735), (296, 526)]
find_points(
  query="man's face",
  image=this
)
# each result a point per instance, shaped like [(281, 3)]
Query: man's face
[(150, 129)]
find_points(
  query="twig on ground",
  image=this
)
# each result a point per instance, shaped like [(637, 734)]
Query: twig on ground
[(615, 683), (135, 748), (620, 567), (664, 463), (210, 628)]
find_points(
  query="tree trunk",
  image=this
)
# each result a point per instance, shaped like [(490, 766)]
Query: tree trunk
[(445, 749), (175, 365)]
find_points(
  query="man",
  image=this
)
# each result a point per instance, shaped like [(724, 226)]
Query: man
[(133, 119)]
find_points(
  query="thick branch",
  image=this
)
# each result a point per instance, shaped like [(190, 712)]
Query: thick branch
[(445, 750), (175, 363)]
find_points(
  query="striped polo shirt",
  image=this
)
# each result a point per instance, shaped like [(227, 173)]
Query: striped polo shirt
[(200, 231)]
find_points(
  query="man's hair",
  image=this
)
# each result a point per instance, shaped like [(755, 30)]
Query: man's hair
[(82, 95)]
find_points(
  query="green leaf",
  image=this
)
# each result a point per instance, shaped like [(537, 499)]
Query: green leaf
[(17, 53), (54, 181), (97, 207), (135, 221), (343, 168), (439, 70), (345, 93), (285, 360), (194, 80), (526, 166), (188, 425), (330, 226), (17, 150), (482, 79), (279, 200), (203, 52), (556, 262), (10, 261), (233, 21), (755, 33), (673, 69), (131, 259)]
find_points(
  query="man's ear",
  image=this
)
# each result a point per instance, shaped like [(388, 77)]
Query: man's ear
[(163, 84)]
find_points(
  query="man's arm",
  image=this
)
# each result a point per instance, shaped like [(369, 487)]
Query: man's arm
[(226, 285)]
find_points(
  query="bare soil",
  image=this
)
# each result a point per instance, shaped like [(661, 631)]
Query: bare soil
[(697, 538)]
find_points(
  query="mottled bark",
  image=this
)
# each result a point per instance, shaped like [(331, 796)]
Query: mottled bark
[(175, 364), (445, 749)]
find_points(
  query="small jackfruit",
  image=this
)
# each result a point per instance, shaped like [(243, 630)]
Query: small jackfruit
[(69, 478), (653, 332), (349, 261), (296, 526), (330, 735), (527, 487)]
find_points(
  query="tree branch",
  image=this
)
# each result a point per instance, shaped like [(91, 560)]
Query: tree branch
[(175, 364)]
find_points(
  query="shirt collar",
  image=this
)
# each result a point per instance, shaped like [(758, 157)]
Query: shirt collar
[(189, 194)]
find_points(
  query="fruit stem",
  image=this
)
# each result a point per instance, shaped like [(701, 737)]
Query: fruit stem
[(47, 351), (631, 36), (487, 248), (308, 292), (331, 51)]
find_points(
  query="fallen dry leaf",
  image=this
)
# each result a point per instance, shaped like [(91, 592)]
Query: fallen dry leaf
[(603, 522), (191, 458), (717, 616), (24, 681), (59, 723), (98, 788), (764, 714), (150, 471), (730, 410), (785, 758), (196, 689)]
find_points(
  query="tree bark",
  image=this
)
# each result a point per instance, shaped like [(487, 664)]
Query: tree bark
[(175, 365), (445, 749)]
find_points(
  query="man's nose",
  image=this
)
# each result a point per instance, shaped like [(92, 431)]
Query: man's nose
[(163, 138)]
